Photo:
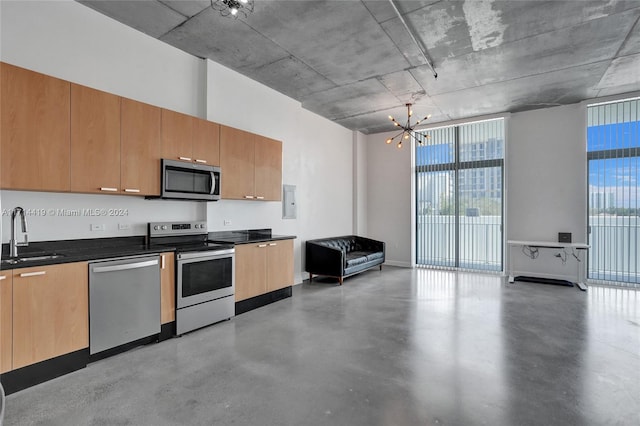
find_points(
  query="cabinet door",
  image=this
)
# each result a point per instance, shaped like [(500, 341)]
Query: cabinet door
[(237, 163), (177, 133), (206, 142), (50, 312), (34, 130), (140, 148), (167, 288), (6, 320), (251, 263), (279, 264), (95, 140), (268, 173)]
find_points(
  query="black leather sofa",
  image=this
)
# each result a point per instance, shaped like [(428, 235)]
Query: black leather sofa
[(342, 257)]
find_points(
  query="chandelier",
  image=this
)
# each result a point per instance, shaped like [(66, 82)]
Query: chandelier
[(233, 8), (408, 129)]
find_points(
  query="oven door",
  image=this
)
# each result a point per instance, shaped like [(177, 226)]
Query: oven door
[(203, 276)]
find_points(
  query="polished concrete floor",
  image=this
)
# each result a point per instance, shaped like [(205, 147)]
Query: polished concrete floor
[(397, 347)]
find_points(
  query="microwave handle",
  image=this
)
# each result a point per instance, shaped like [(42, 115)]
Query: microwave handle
[(213, 183)]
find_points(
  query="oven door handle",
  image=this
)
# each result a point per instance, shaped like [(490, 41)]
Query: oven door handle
[(126, 266), (205, 255)]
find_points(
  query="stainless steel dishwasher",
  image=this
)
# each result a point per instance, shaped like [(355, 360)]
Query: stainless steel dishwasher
[(124, 301)]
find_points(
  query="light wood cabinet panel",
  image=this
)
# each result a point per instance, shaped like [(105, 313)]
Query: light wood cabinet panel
[(268, 169), (177, 134), (251, 261), (237, 163), (206, 142), (140, 148), (6, 320), (167, 288), (50, 312), (34, 130), (279, 264), (95, 140)]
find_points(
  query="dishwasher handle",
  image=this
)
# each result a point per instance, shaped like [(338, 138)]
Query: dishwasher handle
[(126, 266)]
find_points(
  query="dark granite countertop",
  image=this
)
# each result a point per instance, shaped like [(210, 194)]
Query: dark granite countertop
[(79, 251), (68, 251), (247, 236)]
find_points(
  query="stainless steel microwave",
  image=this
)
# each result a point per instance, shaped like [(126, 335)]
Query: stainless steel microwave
[(188, 181)]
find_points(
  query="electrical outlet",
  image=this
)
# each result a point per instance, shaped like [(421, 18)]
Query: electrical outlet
[(227, 222), (123, 226), (97, 227)]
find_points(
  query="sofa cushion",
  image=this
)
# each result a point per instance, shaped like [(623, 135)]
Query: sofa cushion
[(374, 256), (356, 258)]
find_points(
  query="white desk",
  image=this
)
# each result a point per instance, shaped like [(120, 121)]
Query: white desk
[(576, 248)]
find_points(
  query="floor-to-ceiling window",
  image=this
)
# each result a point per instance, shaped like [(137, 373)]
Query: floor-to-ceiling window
[(613, 154), (459, 196)]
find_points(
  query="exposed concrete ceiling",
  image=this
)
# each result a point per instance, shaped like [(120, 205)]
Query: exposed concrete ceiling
[(354, 62)]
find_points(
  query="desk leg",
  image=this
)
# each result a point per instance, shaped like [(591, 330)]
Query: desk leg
[(509, 273), (581, 285)]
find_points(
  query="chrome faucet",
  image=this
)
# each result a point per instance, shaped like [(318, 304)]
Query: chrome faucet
[(13, 244)]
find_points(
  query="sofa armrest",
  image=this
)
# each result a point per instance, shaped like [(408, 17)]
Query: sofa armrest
[(323, 260)]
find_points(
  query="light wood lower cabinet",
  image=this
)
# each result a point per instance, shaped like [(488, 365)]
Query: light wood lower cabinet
[(6, 321), (167, 288), (279, 264), (263, 267), (50, 312)]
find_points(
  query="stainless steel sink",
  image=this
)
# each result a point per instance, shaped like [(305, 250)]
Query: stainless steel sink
[(32, 258)]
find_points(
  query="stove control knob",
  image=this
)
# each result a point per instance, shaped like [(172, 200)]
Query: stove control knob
[(164, 227), (156, 227)]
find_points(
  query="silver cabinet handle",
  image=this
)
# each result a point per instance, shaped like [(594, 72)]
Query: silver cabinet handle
[(260, 197), (184, 158), (108, 189), (126, 266), (201, 161), (131, 190), (162, 262), (272, 244), (262, 245), (33, 274), (250, 197), (3, 277)]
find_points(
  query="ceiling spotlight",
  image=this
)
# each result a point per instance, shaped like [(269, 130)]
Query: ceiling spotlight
[(233, 8), (408, 129)]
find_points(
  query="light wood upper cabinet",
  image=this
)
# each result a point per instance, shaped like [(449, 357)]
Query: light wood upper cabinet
[(251, 262), (95, 140), (251, 166), (6, 320), (206, 142), (279, 264), (237, 163), (140, 148), (268, 169), (34, 130), (167, 288), (177, 134), (50, 312)]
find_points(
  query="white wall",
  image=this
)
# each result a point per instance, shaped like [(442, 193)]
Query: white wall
[(71, 41), (547, 183), (389, 197), (360, 184), (545, 193)]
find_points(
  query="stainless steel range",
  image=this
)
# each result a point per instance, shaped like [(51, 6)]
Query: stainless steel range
[(205, 275)]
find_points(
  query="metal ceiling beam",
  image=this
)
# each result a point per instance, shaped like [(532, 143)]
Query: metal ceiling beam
[(421, 48)]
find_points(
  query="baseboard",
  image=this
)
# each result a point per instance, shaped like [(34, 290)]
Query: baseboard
[(262, 300), (34, 374), (397, 263)]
